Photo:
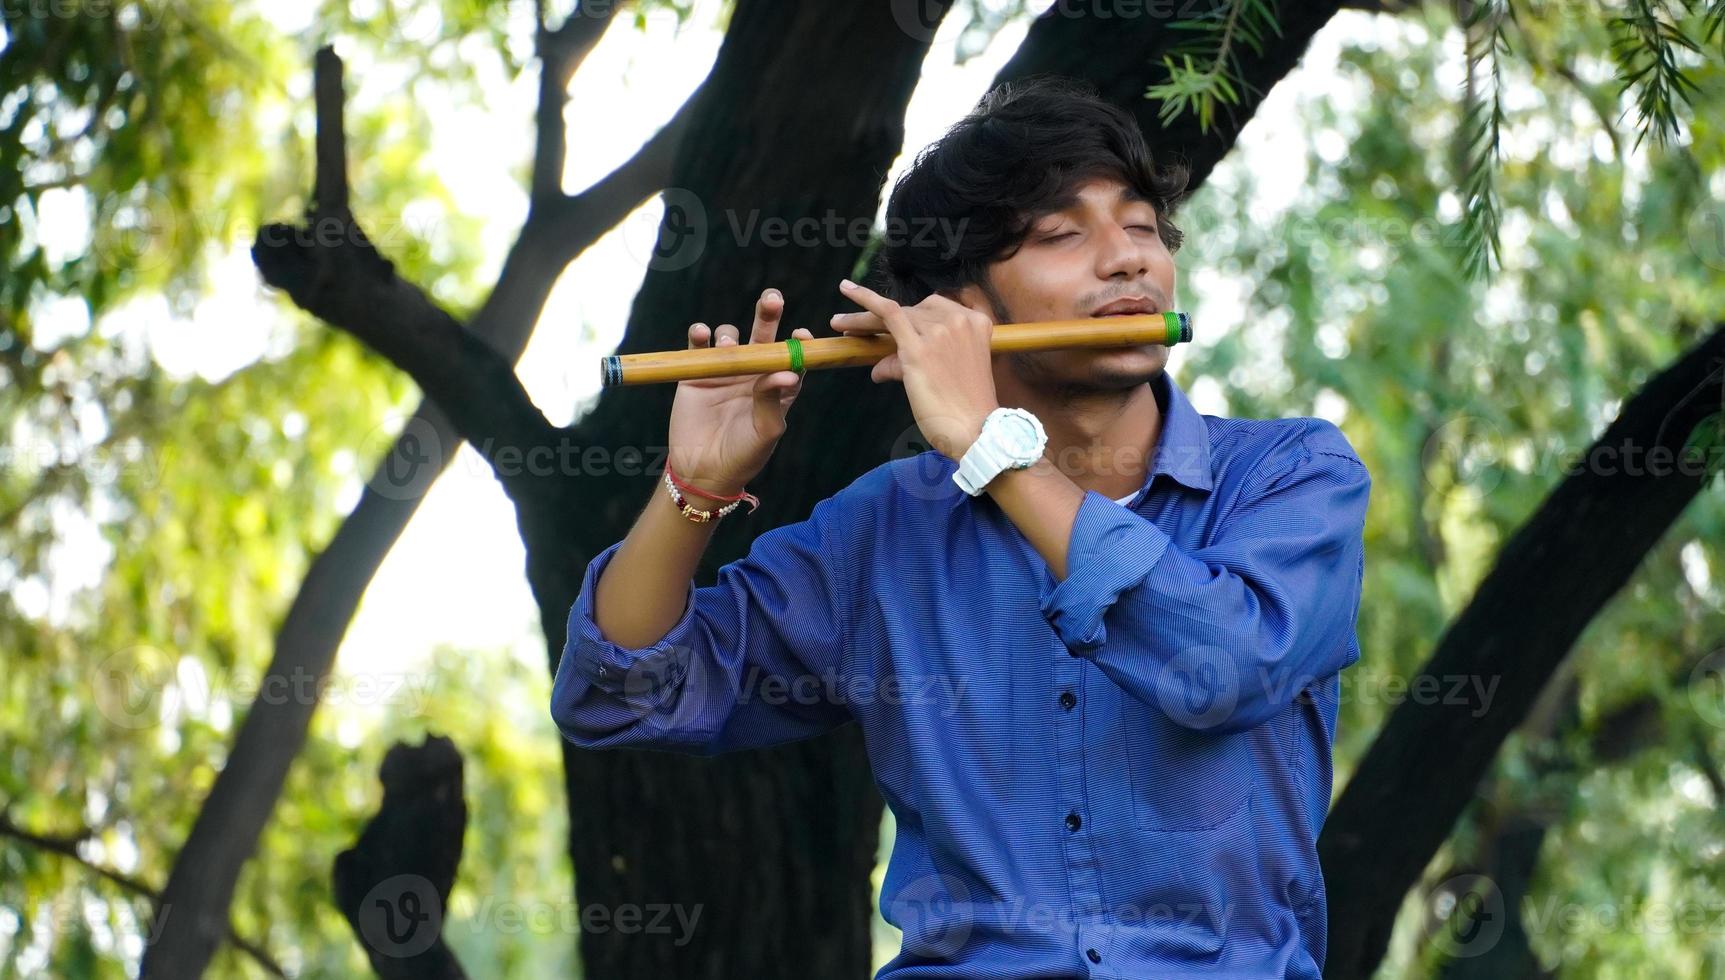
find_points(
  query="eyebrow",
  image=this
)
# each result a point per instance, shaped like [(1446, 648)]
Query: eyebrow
[(1068, 199)]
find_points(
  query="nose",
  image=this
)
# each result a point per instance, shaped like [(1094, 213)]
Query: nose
[(1119, 256)]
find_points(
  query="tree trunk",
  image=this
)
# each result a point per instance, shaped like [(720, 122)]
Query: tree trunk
[(393, 885), (773, 849), (1122, 55)]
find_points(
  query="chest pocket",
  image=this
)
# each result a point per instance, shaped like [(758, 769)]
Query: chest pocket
[(1183, 778)]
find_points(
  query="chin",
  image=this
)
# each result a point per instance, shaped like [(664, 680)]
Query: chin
[(1133, 365), (1095, 369)]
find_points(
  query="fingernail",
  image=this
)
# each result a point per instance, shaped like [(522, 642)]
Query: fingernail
[(847, 284), (773, 294)]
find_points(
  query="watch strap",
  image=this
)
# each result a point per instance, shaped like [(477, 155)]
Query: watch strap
[(987, 458), (980, 464)]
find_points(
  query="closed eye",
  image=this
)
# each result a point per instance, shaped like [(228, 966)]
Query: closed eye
[(1069, 234)]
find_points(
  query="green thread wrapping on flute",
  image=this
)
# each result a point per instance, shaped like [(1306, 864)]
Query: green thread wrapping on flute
[(1172, 321), (796, 346)]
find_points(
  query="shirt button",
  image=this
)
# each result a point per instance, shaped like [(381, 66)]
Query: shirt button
[(1074, 821), (1095, 957), (1067, 700)]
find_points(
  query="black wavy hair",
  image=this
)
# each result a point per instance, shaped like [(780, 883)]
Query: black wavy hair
[(1018, 155)]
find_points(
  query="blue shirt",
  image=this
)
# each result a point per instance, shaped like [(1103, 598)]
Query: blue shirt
[(1120, 774)]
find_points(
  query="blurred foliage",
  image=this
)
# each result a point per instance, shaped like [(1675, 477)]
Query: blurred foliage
[(1469, 402), (141, 145), (1652, 45)]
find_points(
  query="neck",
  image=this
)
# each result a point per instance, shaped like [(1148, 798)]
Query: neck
[(1101, 440)]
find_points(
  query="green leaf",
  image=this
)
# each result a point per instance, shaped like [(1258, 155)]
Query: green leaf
[(1708, 439)]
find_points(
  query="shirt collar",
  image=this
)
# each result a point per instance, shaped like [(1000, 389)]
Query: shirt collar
[(1182, 450)]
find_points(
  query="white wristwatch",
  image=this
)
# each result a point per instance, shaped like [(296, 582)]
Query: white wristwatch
[(1011, 438)]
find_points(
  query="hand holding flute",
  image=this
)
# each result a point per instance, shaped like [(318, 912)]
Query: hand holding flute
[(722, 432)]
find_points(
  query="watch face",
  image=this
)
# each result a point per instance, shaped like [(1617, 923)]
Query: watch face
[(1018, 435)]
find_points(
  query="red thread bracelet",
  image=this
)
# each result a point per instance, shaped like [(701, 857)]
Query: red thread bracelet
[(752, 500)]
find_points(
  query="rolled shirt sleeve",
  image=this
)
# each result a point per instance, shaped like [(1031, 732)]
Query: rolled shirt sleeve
[(750, 663), (1223, 637)]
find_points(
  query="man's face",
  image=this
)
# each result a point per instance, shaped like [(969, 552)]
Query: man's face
[(1105, 246)]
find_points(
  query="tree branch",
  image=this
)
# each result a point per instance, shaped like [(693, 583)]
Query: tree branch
[(560, 228), (1393, 8), (1122, 56), (560, 52), (1550, 580), (66, 845), (343, 280), (331, 270), (329, 192), (1507, 839)]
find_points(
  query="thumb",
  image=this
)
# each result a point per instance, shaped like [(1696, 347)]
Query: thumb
[(770, 399)]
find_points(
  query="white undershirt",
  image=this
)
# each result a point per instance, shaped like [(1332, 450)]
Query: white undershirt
[(1126, 499)]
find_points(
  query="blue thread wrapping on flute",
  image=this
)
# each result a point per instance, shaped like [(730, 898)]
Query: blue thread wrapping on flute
[(1179, 328), (610, 370)]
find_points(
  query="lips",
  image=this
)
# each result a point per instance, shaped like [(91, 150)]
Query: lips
[(1129, 306)]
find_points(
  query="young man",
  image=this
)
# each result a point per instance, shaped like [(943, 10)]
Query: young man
[(1098, 691)]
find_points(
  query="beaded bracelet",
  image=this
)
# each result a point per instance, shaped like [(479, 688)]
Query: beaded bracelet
[(676, 487)]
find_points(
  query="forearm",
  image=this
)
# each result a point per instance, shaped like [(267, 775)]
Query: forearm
[(1236, 623), (1043, 503), (679, 682), (642, 592)]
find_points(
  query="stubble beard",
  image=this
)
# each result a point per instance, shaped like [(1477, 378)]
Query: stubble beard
[(1033, 370)]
